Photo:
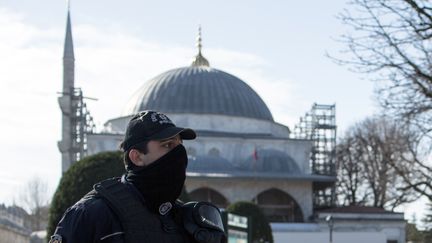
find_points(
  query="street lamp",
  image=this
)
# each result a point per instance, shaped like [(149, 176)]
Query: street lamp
[(329, 220)]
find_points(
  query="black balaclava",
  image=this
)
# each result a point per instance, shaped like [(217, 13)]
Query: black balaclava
[(161, 181)]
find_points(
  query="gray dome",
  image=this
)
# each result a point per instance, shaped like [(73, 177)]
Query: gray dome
[(200, 90), (270, 160)]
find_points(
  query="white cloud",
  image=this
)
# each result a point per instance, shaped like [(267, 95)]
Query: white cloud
[(29, 76)]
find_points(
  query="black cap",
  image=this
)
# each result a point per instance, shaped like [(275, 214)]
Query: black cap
[(152, 125)]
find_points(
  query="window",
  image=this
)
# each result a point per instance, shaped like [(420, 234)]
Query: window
[(191, 151), (214, 152), (209, 195), (279, 206)]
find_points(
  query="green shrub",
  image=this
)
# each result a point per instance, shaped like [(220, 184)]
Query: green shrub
[(79, 180), (261, 230)]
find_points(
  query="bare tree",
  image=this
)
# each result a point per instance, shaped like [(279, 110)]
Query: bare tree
[(415, 167), (352, 183), (34, 197), (392, 40), (368, 158)]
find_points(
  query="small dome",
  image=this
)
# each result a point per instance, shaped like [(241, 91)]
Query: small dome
[(199, 90), (209, 164), (270, 160)]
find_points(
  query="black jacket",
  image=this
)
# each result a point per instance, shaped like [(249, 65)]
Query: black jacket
[(92, 220)]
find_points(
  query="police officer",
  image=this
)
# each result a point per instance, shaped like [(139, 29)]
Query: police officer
[(141, 206)]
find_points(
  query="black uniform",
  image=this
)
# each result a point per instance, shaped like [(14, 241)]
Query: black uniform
[(93, 219)]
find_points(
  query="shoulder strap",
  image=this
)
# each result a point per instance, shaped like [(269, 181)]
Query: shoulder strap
[(130, 211)]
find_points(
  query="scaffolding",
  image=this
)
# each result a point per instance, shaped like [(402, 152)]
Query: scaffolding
[(81, 124), (319, 125)]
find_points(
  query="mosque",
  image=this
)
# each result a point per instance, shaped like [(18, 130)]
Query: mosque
[(241, 153)]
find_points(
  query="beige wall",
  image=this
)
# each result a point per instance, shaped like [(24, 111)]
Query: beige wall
[(322, 237), (8, 236), (392, 225), (237, 189)]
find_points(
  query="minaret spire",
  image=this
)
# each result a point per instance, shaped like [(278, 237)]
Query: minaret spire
[(68, 57), (200, 60), (68, 45)]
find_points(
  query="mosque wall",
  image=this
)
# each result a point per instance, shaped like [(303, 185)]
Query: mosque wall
[(246, 189), (100, 142), (238, 150), (117, 125), (235, 189)]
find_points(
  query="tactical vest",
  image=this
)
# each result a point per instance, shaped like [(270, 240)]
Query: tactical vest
[(138, 223)]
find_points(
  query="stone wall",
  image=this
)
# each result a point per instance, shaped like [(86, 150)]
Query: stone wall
[(246, 189), (9, 235), (392, 225)]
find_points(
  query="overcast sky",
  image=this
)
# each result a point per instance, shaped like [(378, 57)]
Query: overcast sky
[(277, 47)]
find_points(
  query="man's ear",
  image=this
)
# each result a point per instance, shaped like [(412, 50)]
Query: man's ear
[(135, 157)]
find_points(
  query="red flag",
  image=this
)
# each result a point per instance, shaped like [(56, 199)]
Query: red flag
[(255, 154)]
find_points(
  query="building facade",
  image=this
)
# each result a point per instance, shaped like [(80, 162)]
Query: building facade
[(12, 225)]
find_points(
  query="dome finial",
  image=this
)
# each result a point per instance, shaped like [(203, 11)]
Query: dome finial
[(199, 39), (199, 59)]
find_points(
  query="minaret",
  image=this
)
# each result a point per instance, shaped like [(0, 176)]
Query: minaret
[(65, 101), (199, 60)]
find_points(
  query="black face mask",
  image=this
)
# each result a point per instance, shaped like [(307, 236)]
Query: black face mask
[(161, 181)]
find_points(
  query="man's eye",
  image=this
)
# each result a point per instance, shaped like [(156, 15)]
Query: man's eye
[(167, 145)]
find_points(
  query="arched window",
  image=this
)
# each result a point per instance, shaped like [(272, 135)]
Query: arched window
[(279, 206), (214, 152), (209, 195)]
